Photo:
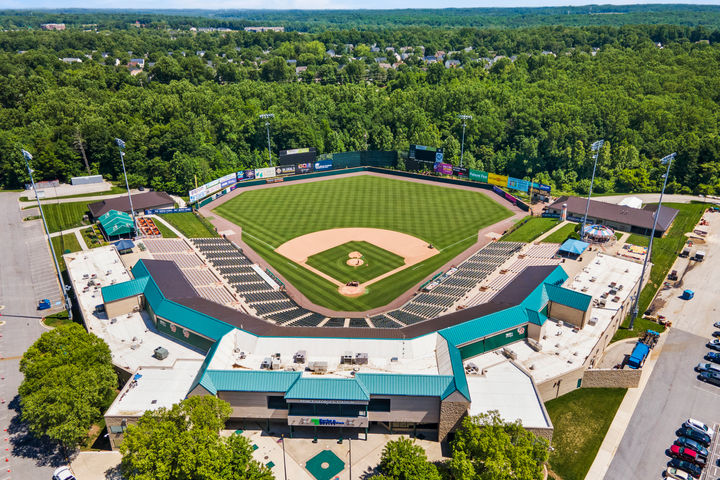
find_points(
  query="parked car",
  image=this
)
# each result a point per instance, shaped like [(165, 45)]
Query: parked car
[(702, 438), (705, 367), (716, 334), (676, 474), (716, 324), (713, 357), (711, 376), (690, 443), (694, 470), (63, 473), (699, 426), (714, 344), (685, 453)]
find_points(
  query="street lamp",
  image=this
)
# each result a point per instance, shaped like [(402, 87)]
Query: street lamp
[(665, 160), (68, 304), (595, 147), (464, 118), (267, 117), (121, 147)]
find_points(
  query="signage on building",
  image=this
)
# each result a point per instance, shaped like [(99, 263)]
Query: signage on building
[(353, 422)]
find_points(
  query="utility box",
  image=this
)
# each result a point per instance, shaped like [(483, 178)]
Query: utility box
[(160, 353), (346, 358), (300, 356), (361, 359)]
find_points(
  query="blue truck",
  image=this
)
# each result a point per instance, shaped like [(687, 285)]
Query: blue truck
[(642, 349)]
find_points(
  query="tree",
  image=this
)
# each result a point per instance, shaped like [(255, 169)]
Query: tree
[(402, 459), (68, 385), (184, 443), (276, 70), (488, 448)]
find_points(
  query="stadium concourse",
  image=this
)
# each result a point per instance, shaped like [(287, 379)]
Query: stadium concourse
[(507, 329)]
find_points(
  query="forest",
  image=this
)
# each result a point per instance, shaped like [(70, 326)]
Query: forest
[(187, 102)]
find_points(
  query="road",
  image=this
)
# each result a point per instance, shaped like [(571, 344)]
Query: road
[(673, 392), (653, 198), (26, 275)]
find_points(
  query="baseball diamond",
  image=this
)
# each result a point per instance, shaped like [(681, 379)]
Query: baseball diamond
[(446, 219)]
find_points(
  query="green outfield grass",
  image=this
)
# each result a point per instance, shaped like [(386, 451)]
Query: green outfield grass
[(562, 234), (448, 218), (63, 216), (376, 261), (189, 224), (530, 228)]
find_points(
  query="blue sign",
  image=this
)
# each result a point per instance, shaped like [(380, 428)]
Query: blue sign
[(162, 211), (323, 165), (518, 184), (438, 157), (541, 186)]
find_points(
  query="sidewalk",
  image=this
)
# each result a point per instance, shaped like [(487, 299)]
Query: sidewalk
[(555, 228)]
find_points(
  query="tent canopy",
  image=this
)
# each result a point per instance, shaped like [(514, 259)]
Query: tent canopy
[(598, 231), (575, 247), (124, 245)]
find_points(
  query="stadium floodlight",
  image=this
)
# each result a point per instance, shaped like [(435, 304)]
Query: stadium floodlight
[(68, 303), (666, 160), (267, 117), (595, 147), (464, 118), (121, 147)]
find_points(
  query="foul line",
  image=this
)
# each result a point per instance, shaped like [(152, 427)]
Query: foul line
[(459, 241), (260, 240)]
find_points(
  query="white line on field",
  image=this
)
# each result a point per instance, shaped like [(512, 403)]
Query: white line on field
[(459, 241), (259, 240)]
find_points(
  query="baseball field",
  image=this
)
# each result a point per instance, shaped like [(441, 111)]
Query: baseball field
[(433, 223)]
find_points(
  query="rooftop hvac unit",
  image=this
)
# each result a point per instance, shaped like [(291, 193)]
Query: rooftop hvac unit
[(361, 359), (318, 367), (276, 365), (266, 364), (160, 353), (300, 356), (346, 358)]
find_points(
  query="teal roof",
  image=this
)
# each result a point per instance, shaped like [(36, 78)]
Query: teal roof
[(191, 319), (412, 385), (484, 326), (538, 298), (537, 318), (461, 384), (140, 270), (118, 291), (201, 375), (248, 381), (327, 389), (116, 223), (567, 297)]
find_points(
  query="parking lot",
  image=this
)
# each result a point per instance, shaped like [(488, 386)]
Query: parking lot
[(712, 470)]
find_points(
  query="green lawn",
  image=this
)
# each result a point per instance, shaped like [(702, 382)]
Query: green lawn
[(665, 251), (376, 261), (61, 243), (562, 234), (57, 319), (530, 229), (164, 230), (190, 225), (448, 218), (63, 216), (581, 419)]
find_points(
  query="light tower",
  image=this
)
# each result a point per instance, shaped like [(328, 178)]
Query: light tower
[(464, 118), (267, 117), (121, 147), (595, 147)]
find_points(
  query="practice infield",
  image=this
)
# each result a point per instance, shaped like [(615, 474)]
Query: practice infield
[(374, 261), (447, 218)]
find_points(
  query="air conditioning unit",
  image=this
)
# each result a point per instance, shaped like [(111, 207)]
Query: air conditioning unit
[(361, 359), (318, 367), (160, 353)]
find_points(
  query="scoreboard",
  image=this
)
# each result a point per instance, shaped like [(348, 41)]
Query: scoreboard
[(421, 153), (297, 155)]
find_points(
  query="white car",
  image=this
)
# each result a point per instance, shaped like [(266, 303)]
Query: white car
[(704, 367), (63, 473), (698, 426), (676, 474)]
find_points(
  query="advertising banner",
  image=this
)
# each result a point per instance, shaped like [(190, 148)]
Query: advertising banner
[(510, 198), (460, 172), (285, 170), (303, 168), (443, 168), (213, 183), (214, 189), (163, 211), (294, 151), (499, 180), (197, 193), (245, 175), (518, 184), (267, 172), (541, 186), (478, 176), (323, 165)]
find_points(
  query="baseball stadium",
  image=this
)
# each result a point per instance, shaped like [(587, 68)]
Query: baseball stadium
[(352, 300)]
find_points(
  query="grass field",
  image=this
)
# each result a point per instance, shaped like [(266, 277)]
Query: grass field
[(377, 261), (448, 218), (189, 225), (63, 216), (530, 229), (64, 242), (562, 234), (164, 230), (665, 251), (581, 419)]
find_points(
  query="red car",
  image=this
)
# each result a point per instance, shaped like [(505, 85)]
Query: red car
[(685, 453)]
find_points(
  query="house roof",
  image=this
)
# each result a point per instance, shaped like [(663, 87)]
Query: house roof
[(122, 290), (140, 201), (412, 385), (248, 381), (116, 223), (638, 217), (328, 389), (567, 297)]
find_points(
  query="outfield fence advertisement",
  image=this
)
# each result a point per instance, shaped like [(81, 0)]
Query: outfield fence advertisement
[(163, 211), (478, 176), (518, 184), (323, 165), (443, 168), (499, 180), (267, 172), (285, 170), (303, 168)]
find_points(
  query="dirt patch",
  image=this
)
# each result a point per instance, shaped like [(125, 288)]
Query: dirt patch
[(355, 255), (354, 262), (349, 291)]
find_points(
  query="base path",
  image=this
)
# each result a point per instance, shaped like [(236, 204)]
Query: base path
[(485, 236)]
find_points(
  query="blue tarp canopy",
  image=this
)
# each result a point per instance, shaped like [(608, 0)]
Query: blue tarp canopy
[(575, 247), (124, 245)]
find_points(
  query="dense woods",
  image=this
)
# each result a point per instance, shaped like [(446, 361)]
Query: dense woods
[(539, 97)]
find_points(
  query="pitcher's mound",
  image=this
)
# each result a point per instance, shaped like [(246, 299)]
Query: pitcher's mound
[(354, 262)]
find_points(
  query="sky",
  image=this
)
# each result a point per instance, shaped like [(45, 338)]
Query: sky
[(311, 4)]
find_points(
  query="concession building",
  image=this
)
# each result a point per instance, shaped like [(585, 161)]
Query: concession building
[(140, 201)]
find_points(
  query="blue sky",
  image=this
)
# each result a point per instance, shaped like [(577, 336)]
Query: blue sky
[(308, 4)]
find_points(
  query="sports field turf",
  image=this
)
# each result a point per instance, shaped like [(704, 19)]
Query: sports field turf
[(376, 261), (189, 225), (530, 229), (449, 218), (63, 216)]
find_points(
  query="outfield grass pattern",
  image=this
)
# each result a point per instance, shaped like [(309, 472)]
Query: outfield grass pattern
[(562, 234), (448, 218), (376, 261), (64, 216), (530, 229), (189, 225)]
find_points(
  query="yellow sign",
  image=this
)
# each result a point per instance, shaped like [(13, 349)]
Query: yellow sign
[(499, 180)]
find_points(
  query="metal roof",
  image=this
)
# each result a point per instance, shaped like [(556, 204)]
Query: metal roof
[(248, 380), (485, 326), (116, 223), (567, 297), (412, 385), (538, 298), (576, 247), (327, 389), (127, 289), (460, 380), (140, 201), (191, 319), (536, 318)]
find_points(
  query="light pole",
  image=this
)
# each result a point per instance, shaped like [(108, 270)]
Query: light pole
[(595, 147), (282, 438), (665, 160), (121, 147), (267, 117), (68, 304), (464, 118)]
